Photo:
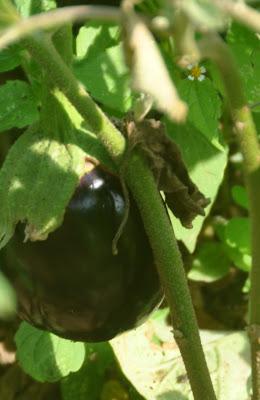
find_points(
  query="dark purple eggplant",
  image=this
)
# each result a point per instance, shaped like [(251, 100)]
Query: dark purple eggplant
[(71, 284)]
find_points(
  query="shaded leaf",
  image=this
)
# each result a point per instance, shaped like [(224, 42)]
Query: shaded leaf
[(45, 356), (89, 380), (19, 107), (9, 58)]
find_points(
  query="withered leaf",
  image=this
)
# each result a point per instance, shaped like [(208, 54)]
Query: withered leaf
[(164, 157)]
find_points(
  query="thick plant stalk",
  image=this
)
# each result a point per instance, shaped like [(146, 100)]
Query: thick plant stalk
[(142, 185), (247, 140)]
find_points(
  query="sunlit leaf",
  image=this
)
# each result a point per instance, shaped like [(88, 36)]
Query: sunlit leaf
[(156, 368), (7, 298), (45, 356)]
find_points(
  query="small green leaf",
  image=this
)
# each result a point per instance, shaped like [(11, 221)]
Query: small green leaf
[(210, 263), (238, 234), (95, 37), (204, 107), (239, 195), (7, 298), (19, 107), (240, 260), (9, 58), (206, 166), (87, 383), (106, 77), (45, 356)]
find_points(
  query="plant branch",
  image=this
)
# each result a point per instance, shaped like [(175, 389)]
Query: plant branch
[(43, 51), (213, 47), (172, 275), (56, 18), (241, 12), (142, 185)]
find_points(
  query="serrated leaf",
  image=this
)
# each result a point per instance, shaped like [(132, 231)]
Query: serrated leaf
[(95, 37), (210, 263), (157, 370), (89, 380), (204, 107), (245, 46), (19, 107), (7, 298), (45, 356), (206, 166), (106, 78), (41, 172)]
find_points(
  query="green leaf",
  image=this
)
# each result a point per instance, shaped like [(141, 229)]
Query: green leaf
[(157, 370), (41, 172), (239, 195), (19, 107), (95, 37), (237, 234), (204, 107), (9, 58), (87, 383), (106, 78), (206, 166), (7, 298), (45, 356), (245, 45), (210, 263), (31, 7), (240, 260)]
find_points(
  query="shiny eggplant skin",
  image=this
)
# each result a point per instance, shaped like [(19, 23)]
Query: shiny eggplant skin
[(71, 284)]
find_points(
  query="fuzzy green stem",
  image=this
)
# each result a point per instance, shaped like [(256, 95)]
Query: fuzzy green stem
[(172, 276), (142, 185), (246, 136)]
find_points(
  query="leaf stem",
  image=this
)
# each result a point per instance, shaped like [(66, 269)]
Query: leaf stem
[(241, 12), (213, 47), (159, 230)]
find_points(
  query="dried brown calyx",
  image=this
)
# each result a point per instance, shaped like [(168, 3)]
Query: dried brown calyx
[(164, 158)]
